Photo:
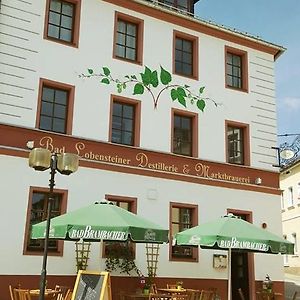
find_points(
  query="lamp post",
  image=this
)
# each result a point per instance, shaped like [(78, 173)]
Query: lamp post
[(67, 163)]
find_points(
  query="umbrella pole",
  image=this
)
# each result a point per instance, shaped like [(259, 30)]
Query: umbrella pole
[(229, 275)]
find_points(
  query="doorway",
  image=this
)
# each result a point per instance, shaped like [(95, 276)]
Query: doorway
[(242, 265)]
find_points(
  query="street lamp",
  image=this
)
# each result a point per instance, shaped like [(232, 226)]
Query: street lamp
[(67, 163)]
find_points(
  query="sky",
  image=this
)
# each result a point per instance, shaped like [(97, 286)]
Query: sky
[(275, 21)]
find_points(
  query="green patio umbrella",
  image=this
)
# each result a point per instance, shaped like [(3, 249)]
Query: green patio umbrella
[(101, 221), (231, 232)]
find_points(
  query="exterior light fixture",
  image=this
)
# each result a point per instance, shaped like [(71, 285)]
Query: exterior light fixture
[(42, 159)]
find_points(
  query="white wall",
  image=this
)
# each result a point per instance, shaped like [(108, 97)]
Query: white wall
[(89, 185), (30, 57)]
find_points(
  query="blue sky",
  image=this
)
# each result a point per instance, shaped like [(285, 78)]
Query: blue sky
[(275, 21)]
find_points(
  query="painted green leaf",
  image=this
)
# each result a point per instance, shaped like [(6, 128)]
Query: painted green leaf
[(90, 71), (133, 77), (165, 76), (138, 89), (146, 76), (181, 91), (201, 104), (174, 94), (154, 78), (181, 100), (105, 80), (106, 71), (201, 90)]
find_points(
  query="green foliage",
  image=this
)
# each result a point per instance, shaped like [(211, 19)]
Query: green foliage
[(120, 257), (149, 80)]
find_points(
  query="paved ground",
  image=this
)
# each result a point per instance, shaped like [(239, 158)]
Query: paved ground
[(292, 284)]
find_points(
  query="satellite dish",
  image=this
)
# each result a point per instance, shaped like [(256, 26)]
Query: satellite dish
[(287, 154)]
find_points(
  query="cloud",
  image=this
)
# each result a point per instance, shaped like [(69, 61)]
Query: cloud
[(291, 103)]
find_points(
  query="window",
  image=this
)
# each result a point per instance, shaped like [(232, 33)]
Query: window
[(285, 256), (290, 200), (237, 138), (125, 121), (236, 69), (185, 55), (183, 216), (294, 241), (180, 4), (127, 203), (185, 133), (62, 22), (128, 41), (298, 191), (37, 212), (55, 107)]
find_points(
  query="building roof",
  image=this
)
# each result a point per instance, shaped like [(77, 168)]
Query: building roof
[(277, 49)]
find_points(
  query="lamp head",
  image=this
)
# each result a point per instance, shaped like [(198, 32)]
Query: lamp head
[(40, 159), (67, 163)]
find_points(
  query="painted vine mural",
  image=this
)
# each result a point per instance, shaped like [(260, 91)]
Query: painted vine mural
[(155, 83)]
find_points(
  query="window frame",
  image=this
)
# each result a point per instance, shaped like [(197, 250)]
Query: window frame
[(60, 244), (133, 202), (76, 24), (137, 118), (189, 6), (194, 118), (290, 197), (246, 141), (195, 250), (244, 65), (70, 107), (195, 54), (140, 37)]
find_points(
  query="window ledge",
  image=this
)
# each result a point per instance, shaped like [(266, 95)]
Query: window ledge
[(283, 210), (291, 207)]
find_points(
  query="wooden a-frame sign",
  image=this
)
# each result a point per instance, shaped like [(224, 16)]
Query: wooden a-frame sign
[(91, 285)]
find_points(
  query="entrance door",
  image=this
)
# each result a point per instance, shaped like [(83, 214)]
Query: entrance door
[(239, 275), (241, 265)]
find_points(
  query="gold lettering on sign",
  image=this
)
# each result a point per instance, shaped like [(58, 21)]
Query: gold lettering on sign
[(80, 149), (202, 170), (47, 142), (143, 162), (186, 169)]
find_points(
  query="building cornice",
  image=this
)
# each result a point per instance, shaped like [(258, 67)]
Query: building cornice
[(139, 161)]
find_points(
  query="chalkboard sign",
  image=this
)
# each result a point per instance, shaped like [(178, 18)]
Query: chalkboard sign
[(92, 286)]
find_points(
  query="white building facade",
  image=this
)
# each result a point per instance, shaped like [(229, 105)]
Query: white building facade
[(176, 165), (290, 186)]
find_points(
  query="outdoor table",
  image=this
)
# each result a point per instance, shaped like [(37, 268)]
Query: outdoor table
[(172, 291), (48, 292), (268, 296), (134, 296)]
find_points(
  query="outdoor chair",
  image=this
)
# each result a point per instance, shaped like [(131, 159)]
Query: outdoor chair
[(194, 294), (181, 297), (68, 295), (153, 288), (171, 286), (241, 294), (22, 294), (295, 296), (264, 296), (206, 295), (157, 296), (62, 291), (12, 293)]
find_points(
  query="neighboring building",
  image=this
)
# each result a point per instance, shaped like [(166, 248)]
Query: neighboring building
[(290, 201), (174, 165)]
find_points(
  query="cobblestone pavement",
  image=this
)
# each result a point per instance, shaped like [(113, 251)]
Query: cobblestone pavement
[(292, 284)]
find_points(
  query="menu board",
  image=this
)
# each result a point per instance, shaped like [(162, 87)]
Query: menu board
[(92, 286)]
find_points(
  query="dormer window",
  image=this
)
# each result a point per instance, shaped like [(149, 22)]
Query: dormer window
[(184, 5)]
